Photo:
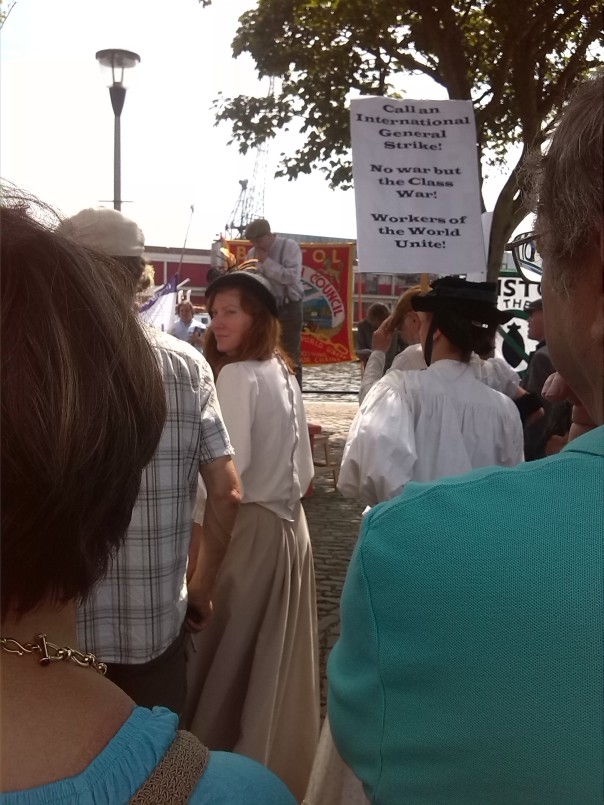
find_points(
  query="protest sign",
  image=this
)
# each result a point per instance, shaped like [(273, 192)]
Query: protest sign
[(514, 294), (415, 168)]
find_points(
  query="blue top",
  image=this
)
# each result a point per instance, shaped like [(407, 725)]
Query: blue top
[(470, 663), (185, 331), (124, 764)]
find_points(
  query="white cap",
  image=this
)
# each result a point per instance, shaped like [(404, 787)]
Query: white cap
[(106, 231)]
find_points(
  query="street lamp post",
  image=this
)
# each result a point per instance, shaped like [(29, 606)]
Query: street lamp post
[(115, 63)]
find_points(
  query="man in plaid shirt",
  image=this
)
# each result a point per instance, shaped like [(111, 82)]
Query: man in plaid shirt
[(136, 618)]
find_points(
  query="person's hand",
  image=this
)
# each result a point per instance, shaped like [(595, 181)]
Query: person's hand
[(196, 340), (382, 337), (556, 389), (200, 610)]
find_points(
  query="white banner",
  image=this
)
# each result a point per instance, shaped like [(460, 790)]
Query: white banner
[(159, 310), (415, 169)]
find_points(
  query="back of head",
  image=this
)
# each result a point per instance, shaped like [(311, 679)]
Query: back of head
[(108, 232), (257, 229), (80, 391), (568, 183), (185, 306), (377, 313), (465, 312)]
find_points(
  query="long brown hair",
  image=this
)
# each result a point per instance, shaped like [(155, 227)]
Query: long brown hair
[(263, 340), (81, 389)]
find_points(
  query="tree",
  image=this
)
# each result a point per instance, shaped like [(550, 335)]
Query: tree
[(516, 60), (4, 14)]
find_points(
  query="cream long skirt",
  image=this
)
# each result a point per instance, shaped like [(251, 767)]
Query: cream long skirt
[(253, 677), (332, 782)]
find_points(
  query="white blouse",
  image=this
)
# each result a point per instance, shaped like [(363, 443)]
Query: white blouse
[(424, 425), (264, 414)]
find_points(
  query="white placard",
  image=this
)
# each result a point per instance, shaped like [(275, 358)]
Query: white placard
[(415, 169)]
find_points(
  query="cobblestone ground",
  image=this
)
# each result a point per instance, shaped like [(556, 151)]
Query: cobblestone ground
[(334, 524)]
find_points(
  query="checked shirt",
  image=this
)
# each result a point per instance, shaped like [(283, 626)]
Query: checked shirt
[(137, 610)]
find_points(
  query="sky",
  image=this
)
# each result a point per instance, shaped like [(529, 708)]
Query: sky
[(56, 127)]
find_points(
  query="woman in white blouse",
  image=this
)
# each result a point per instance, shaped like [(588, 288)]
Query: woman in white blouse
[(254, 680)]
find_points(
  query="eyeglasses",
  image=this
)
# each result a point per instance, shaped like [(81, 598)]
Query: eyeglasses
[(526, 257)]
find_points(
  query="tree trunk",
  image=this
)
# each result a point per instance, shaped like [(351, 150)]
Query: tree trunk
[(508, 213)]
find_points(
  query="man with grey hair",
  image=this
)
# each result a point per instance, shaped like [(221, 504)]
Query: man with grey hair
[(136, 617), (547, 434), (470, 663)]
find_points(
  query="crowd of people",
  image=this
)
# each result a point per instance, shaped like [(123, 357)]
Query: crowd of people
[(159, 629)]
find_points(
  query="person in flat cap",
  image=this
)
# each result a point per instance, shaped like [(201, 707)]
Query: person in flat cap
[(108, 232), (280, 261), (422, 425), (546, 435), (254, 679), (155, 591)]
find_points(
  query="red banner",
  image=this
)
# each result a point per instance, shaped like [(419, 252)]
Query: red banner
[(327, 281)]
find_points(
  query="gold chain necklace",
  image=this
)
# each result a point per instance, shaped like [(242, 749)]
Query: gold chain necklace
[(50, 652)]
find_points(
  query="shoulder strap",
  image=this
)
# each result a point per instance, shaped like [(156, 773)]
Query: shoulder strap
[(177, 773)]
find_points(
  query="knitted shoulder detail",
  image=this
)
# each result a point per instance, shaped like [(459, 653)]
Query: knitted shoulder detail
[(176, 775)]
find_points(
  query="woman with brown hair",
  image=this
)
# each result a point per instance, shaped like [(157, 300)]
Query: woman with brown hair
[(254, 681), (83, 408)]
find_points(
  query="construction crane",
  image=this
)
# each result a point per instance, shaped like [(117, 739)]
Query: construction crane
[(250, 203), (245, 210)]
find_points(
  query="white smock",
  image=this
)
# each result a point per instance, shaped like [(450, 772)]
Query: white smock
[(495, 371), (424, 425)]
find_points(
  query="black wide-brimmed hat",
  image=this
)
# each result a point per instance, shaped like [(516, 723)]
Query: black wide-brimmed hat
[(472, 300), (250, 279)]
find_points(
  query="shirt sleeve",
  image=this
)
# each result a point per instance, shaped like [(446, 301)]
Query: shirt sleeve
[(289, 270), (510, 447), (238, 393), (214, 437), (231, 779), (374, 369), (508, 379), (380, 452)]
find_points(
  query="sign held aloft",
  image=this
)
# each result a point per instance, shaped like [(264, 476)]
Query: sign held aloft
[(415, 169)]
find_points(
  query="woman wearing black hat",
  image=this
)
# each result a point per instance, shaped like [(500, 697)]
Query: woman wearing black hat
[(424, 425), (254, 682)]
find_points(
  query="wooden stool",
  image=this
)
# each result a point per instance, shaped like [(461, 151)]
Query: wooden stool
[(325, 465)]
